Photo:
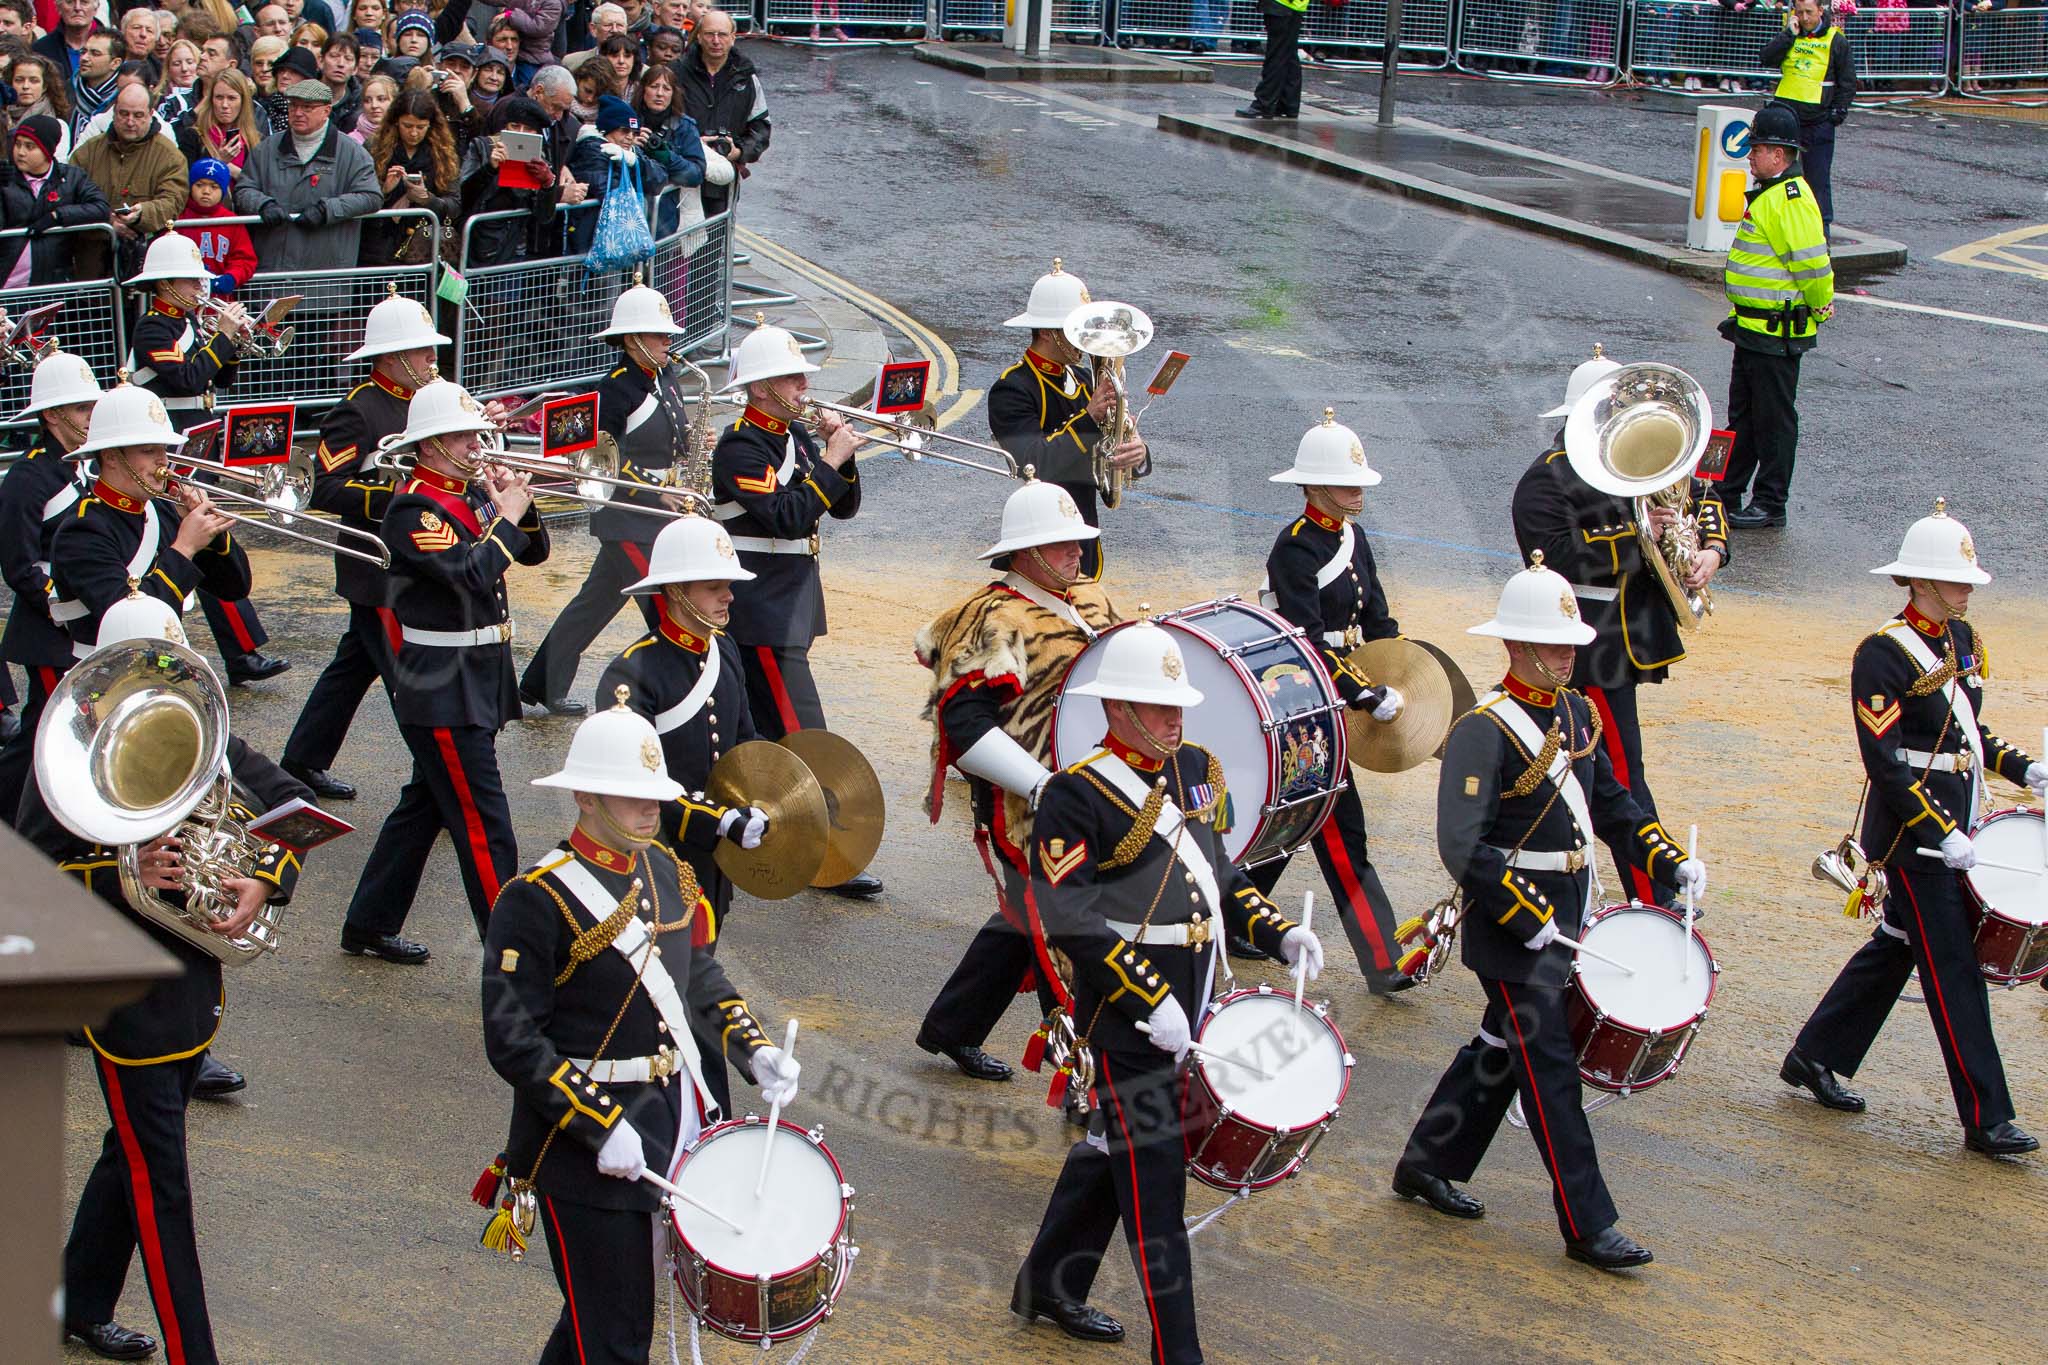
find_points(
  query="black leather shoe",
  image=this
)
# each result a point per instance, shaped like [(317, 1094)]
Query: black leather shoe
[(1801, 1070), (972, 1061), (1437, 1192), (111, 1340), (217, 1080), (861, 886), (244, 669), (10, 726), (1252, 111), (560, 706), (1755, 518), (390, 947), (1609, 1249), (325, 784), (2004, 1139), (1077, 1320), (1244, 949), (1392, 984)]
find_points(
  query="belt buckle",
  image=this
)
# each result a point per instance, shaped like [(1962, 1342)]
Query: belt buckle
[(504, 629), (1964, 759), (1198, 933), (662, 1064), (1575, 861), (814, 543)]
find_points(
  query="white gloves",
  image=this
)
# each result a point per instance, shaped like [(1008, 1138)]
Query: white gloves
[(1692, 877), (1391, 703), (751, 823), (1169, 1025), (1957, 850), (2037, 778), (1542, 938), (776, 1072), (1300, 944), (621, 1156)]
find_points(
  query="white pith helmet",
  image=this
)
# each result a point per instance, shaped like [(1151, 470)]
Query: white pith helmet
[(1537, 607), (1937, 547), (1039, 514), (1330, 455), (690, 550), (1141, 662), (1054, 297), (616, 753)]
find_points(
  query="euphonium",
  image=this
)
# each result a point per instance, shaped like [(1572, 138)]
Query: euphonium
[(1109, 332), (1639, 433), (132, 748)]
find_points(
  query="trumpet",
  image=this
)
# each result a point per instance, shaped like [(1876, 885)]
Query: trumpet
[(280, 493), (1109, 332), (265, 340), (21, 340)]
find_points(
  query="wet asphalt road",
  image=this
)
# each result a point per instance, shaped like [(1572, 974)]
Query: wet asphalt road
[(333, 1196)]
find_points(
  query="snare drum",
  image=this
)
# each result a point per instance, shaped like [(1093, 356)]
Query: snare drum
[(1269, 712), (780, 1277), (1243, 1132), (1632, 1031), (2012, 931)]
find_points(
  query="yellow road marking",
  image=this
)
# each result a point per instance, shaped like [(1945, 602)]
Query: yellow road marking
[(1998, 252)]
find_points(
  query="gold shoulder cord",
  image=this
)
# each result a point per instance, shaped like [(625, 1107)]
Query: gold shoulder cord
[(1140, 833), (1154, 802)]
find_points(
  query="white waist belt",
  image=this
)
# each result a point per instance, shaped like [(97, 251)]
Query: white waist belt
[(629, 1070), (1594, 594), (763, 545), (1562, 860), (1193, 934), (1335, 638), (1941, 763), (186, 404), (64, 609), (500, 634)]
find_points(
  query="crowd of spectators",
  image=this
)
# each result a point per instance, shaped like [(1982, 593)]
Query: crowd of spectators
[(303, 118)]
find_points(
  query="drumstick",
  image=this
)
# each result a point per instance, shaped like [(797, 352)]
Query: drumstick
[(1213, 1054), (674, 1192), (1692, 848), (774, 1116), (1986, 862), (1308, 914), (1597, 957)]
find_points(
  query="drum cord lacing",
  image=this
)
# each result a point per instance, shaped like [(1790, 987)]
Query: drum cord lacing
[(697, 1340)]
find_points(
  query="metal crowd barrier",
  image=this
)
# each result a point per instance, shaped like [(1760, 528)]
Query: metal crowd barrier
[(528, 325), (983, 19), (1674, 39), (2004, 49), (1355, 30), (1902, 50), (91, 324), (862, 18), (1541, 40)]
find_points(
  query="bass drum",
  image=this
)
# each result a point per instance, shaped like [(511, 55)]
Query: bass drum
[(1269, 712)]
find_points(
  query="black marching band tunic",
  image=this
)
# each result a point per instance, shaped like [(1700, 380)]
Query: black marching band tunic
[(771, 490), (107, 539), (39, 488), (1508, 832), (1038, 412), (1924, 757), (1335, 598), (1590, 537), (588, 1037), (1103, 867)]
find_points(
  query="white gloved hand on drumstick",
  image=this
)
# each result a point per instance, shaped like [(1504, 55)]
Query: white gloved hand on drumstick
[(1542, 937), (776, 1072), (1299, 944), (1168, 1023), (622, 1157), (1691, 876), (2037, 778), (1957, 851)]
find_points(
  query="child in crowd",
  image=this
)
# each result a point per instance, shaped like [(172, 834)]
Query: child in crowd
[(225, 247)]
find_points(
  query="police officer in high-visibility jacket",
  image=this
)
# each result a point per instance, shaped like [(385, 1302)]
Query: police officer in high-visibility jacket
[(1817, 81), (1781, 288)]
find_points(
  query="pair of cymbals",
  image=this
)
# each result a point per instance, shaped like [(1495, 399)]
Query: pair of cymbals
[(824, 806), (1434, 692)]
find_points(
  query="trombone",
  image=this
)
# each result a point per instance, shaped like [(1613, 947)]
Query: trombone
[(594, 472), (907, 434), (281, 491)]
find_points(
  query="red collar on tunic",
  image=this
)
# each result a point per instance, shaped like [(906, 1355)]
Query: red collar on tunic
[(1922, 622), (1051, 369), (678, 634), (608, 858), (1143, 762), (1322, 518), (169, 310), (1521, 691), (115, 498), (450, 495), (391, 386), (769, 423)]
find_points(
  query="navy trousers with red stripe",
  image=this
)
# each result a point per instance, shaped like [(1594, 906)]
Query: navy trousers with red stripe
[(1928, 907), (604, 1264), (780, 690), (552, 671), (18, 757), (1362, 903), (980, 990), (1523, 1044), (1624, 740), (1138, 1177), (139, 1197), (237, 629), (454, 786), (362, 656)]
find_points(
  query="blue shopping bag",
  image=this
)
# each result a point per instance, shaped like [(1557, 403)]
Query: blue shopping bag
[(622, 240)]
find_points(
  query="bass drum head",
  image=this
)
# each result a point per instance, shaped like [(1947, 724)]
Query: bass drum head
[(1674, 976), (1228, 724), (796, 1218)]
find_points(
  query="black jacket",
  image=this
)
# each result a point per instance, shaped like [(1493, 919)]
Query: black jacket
[(1590, 537), (534, 234), (1912, 804), (646, 412), (536, 1030), (32, 639), (449, 552), (731, 104), (1038, 412), (659, 670), (1079, 883), (92, 547), (1353, 599), (1479, 819), (785, 603), (382, 237), (345, 485), (68, 198)]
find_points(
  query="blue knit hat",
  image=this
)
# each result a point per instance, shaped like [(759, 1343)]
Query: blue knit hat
[(206, 168), (614, 113)]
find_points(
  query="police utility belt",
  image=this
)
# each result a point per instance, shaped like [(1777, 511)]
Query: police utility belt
[(500, 634), (767, 545), (1940, 763), (1193, 934), (1785, 317), (1558, 860)]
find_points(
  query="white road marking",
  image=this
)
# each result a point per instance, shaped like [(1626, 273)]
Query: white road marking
[(1941, 312)]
